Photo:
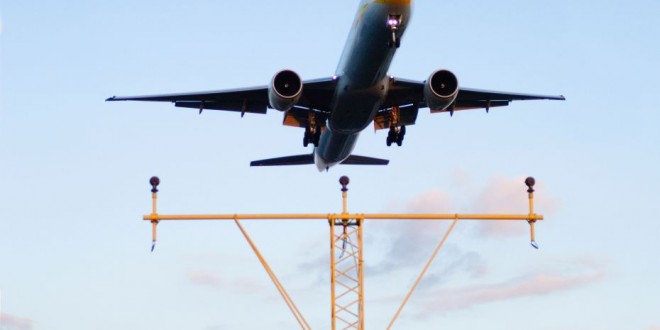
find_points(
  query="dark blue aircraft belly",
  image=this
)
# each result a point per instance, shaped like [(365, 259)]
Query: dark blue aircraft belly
[(335, 147), (361, 88), (354, 111)]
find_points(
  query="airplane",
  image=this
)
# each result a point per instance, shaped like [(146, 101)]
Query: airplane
[(333, 111)]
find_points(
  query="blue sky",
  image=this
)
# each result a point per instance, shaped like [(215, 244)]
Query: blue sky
[(74, 170)]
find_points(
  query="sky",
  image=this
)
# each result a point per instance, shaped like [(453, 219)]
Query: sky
[(74, 170)]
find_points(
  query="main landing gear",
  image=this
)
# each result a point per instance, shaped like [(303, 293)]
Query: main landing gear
[(396, 134), (312, 135), (397, 131), (312, 131), (393, 22)]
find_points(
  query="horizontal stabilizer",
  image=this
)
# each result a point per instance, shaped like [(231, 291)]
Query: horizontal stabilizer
[(307, 159), (363, 160)]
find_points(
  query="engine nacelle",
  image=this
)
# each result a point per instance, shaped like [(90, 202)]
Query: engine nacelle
[(284, 90), (441, 90)]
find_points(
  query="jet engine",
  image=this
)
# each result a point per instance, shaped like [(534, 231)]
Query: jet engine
[(440, 90), (284, 90)]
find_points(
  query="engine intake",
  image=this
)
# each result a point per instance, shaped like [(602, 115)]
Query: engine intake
[(284, 90), (441, 90)]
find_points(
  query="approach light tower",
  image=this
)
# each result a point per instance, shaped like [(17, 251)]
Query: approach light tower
[(346, 246)]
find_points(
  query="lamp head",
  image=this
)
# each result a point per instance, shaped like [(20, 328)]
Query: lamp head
[(344, 182), (530, 182), (154, 181)]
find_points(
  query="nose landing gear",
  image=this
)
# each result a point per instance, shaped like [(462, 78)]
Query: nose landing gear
[(393, 22)]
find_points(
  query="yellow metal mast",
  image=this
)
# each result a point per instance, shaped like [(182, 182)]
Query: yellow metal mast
[(346, 245)]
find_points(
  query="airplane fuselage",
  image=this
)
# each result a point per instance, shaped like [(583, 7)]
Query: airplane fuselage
[(362, 77)]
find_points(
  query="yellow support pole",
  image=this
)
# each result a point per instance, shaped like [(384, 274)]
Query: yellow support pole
[(287, 299), (421, 275)]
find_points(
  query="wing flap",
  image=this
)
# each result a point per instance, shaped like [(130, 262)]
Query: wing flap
[(238, 106)]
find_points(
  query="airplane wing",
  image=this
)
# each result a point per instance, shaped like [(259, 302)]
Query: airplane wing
[(408, 95), (317, 95)]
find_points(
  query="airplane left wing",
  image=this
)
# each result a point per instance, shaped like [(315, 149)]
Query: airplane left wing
[(317, 94), (408, 96)]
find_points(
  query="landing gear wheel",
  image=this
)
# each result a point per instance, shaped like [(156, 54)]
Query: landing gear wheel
[(395, 135), (391, 136), (399, 138), (317, 137), (307, 138)]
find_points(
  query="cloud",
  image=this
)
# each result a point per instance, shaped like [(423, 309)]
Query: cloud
[(204, 278), (655, 327), (409, 244), (209, 279), (508, 195), (405, 245), (539, 284), (12, 322), (532, 286)]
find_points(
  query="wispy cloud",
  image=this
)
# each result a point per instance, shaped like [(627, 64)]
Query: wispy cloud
[(12, 322), (407, 242), (210, 279), (205, 278), (535, 285), (407, 245), (538, 284), (508, 195)]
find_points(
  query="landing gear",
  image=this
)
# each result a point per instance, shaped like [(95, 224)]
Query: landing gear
[(312, 131), (396, 134), (393, 22), (395, 42), (312, 136), (397, 131)]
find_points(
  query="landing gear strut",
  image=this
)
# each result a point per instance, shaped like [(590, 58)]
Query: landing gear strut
[(396, 132), (312, 131), (312, 135)]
